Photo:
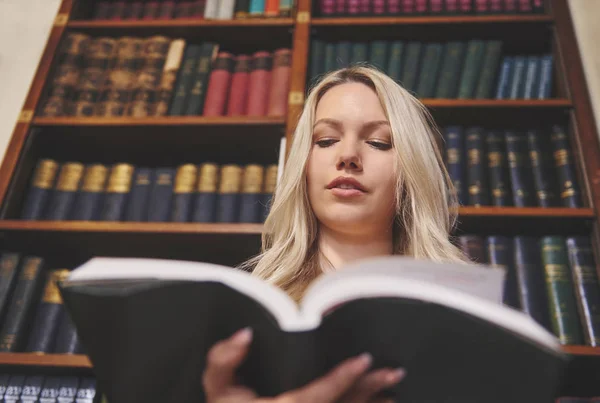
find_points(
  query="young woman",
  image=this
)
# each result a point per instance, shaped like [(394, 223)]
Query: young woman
[(364, 177)]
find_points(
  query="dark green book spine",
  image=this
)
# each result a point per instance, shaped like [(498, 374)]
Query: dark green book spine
[(561, 294), (9, 269), (330, 52), (587, 287), (343, 54), (431, 65), (471, 69), (360, 52), (410, 73), (489, 70), (476, 172), (317, 60), (567, 177), (498, 169), (540, 155), (378, 54), (184, 81), (197, 95), (22, 305), (452, 64), (520, 169), (394, 66)]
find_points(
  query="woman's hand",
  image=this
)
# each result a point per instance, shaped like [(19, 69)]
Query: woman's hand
[(348, 382)]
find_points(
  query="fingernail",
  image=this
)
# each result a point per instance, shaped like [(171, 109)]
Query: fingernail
[(363, 361), (242, 337), (396, 375)]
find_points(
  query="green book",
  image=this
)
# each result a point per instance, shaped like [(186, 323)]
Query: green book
[(185, 79), (452, 63), (489, 70), (330, 52), (378, 54), (471, 69), (410, 74), (360, 52), (317, 59), (432, 57), (394, 66)]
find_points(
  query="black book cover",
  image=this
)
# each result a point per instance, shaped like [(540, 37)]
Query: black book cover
[(148, 350)]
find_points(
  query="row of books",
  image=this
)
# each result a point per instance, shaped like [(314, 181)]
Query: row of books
[(552, 278), (159, 76), (188, 193), (32, 315), (529, 168), (176, 9), (573, 399), (475, 69), (43, 388), (352, 8)]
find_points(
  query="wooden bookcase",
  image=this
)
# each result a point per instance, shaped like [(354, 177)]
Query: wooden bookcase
[(72, 242)]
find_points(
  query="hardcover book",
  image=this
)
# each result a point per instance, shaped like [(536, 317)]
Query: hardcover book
[(148, 324)]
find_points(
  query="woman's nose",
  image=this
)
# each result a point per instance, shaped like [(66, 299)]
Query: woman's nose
[(349, 157)]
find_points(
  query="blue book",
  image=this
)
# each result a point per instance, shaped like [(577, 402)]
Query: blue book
[(161, 195), (504, 79), (544, 89)]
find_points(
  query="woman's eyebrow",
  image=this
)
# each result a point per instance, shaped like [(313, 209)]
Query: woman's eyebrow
[(336, 124)]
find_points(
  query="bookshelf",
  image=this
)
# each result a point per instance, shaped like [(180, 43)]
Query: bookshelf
[(255, 139)]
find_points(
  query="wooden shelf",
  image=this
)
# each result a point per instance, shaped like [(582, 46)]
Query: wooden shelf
[(459, 19), (45, 360), (588, 351), (162, 121), (555, 212), (497, 103), (183, 22)]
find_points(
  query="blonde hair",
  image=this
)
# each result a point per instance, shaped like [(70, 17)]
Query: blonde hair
[(426, 201)]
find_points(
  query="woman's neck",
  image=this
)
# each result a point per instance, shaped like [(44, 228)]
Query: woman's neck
[(338, 249)]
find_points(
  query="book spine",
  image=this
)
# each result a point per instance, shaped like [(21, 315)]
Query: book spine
[(198, 8), (117, 190), (489, 70), (184, 80), (270, 182), (447, 86), (280, 83), (472, 68), (532, 75), (49, 392), (199, 100), (140, 193), (242, 8), (257, 8), (342, 53), (31, 388), (517, 80), (68, 389), (286, 8), (455, 160), (101, 10), (118, 10), (229, 193), (65, 192), (394, 66), (89, 198), (260, 82), (504, 80), (67, 340), (500, 254), (206, 194), (431, 65), (476, 174), (238, 91), (43, 330), (14, 388), (218, 85), (540, 155), (561, 295), (587, 287), (18, 316), (570, 193), (317, 60), (9, 269), (520, 169), (410, 73), (40, 189), (136, 10), (87, 390), (378, 53), (530, 279), (161, 195), (252, 186), (185, 181), (151, 10), (498, 169), (166, 10), (169, 76), (436, 6)]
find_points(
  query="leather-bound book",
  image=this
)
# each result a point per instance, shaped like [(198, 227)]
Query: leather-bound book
[(64, 194), (280, 82), (250, 197), (66, 76), (49, 392), (102, 10), (477, 180), (47, 317), (117, 192), (455, 159), (31, 389), (137, 205), (183, 192), (87, 391), (207, 61), (161, 195), (521, 176), (198, 7), (136, 10), (242, 9), (206, 193), (67, 339), (570, 192), (164, 93), (272, 8), (286, 8), (183, 9), (9, 270), (99, 58), (13, 336), (118, 10), (238, 91), (166, 10), (500, 189), (268, 190), (259, 84), (40, 189), (89, 198), (327, 7), (151, 8), (542, 164), (229, 193), (14, 388), (68, 389), (143, 96), (218, 85)]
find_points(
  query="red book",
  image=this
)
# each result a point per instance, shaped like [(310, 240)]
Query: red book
[(183, 9), (481, 6), (280, 82), (436, 6), (259, 83), (421, 6), (166, 10), (197, 8), (408, 6), (353, 7), (271, 8), (524, 6), (496, 6), (150, 10), (393, 6), (378, 7), (118, 11), (340, 6), (365, 6), (136, 10), (327, 7), (451, 6), (510, 6), (238, 92), (465, 7), (218, 85), (103, 10)]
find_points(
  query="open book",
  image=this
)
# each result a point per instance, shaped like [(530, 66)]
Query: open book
[(147, 325)]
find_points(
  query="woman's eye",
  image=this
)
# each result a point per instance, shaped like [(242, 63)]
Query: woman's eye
[(325, 143), (380, 145)]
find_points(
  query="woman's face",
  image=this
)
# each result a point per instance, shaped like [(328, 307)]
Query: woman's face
[(350, 173)]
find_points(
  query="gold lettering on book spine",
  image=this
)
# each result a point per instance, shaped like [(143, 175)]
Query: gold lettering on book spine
[(45, 173), (231, 179), (95, 178), (253, 179), (51, 292), (271, 178), (70, 176), (120, 178), (208, 178), (185, 178), (31, 268)]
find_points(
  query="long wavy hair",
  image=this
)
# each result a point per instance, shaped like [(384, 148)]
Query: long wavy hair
[(426, 202)]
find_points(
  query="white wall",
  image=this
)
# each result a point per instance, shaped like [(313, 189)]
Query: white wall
[(24, 29)]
